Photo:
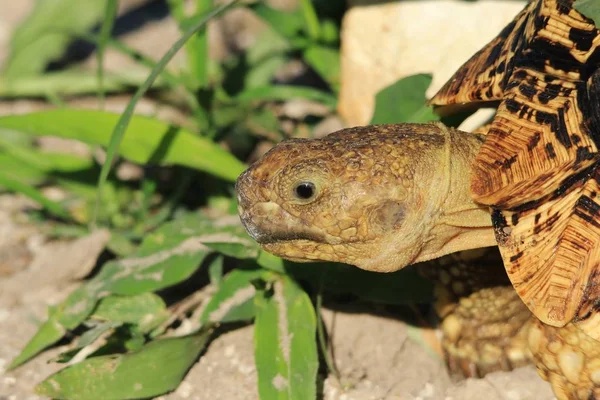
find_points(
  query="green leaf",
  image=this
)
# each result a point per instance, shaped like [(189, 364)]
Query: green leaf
[(284, 92), (326, 61), (147, 141), (330, 32), (232, 241), (287, 24), (146, 310), (51, 206), (234, 300), (284, 342), (589, 8), (224, 234), (264, 122), (271, 262), (93, 334), (157, 368), (78, 306), (404, 101), (135, 342), (215, 270), (311, 21), (20, 171), (67, 315), (96, 332), (121, 245), (41, 38), (69, 82), (27, 167), (173, 252), (169, 255), (44, 161), (49, 333), (140, 273)]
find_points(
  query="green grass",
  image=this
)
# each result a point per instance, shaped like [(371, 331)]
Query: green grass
[(178, 219)]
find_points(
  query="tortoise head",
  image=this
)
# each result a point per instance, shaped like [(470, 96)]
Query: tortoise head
[(368, 196)]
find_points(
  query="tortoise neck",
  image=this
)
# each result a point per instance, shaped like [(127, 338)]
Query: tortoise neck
[(461, 224)]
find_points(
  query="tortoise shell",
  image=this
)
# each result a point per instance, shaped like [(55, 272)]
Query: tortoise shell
[(539, 168)]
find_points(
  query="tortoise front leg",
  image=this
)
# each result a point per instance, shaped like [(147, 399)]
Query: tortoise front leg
[(486, 328), (568, 359), (483, 321), (486, 332)]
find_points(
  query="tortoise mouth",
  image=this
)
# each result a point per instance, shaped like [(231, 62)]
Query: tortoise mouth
[(281, 234), (269, 223)]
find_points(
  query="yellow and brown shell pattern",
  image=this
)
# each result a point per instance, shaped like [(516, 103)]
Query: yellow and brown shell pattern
[(539, 169)]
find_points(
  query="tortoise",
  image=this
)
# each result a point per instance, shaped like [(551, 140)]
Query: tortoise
[(384, 197)]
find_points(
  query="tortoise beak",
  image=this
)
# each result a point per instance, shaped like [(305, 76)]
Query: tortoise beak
[(267, 221), (247, 196)]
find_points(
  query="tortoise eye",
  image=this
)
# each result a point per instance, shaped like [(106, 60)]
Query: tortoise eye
[(305, 190)]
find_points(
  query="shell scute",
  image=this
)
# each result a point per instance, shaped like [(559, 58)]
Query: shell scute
[(539, 167)]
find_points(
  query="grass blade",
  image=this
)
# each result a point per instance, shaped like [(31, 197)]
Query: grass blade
[(69, 82), (176, 8), (313, 28), (51, 206), (286, 92), (121, 126), (326, 62), (198, 47), (287, 24), (172, 81), (110, 14)]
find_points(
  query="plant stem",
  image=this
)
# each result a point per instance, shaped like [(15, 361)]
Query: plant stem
[(123, 122), (110, 14)]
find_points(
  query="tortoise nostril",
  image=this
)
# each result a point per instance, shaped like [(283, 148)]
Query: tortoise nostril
[(246, 191)]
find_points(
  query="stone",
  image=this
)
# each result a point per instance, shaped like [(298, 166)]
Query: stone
[(383, 42)]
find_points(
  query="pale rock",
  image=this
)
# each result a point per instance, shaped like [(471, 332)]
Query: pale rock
[(383, 42)]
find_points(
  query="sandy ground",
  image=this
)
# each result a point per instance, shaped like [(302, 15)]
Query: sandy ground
[(375, 354)]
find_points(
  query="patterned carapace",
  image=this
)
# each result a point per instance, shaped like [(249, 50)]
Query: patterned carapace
[(539, 167)]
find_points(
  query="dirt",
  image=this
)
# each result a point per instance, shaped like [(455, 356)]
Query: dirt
[(377, 355)]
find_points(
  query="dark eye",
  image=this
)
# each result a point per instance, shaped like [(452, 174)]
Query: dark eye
[(305, 190)]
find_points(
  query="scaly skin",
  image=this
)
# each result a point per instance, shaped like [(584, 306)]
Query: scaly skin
[(567, 358), (539, 168), (484, 323), (379, 203), (392, 195)]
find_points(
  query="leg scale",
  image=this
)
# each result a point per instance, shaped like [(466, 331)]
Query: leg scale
[(568, 359), (486, 332)]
